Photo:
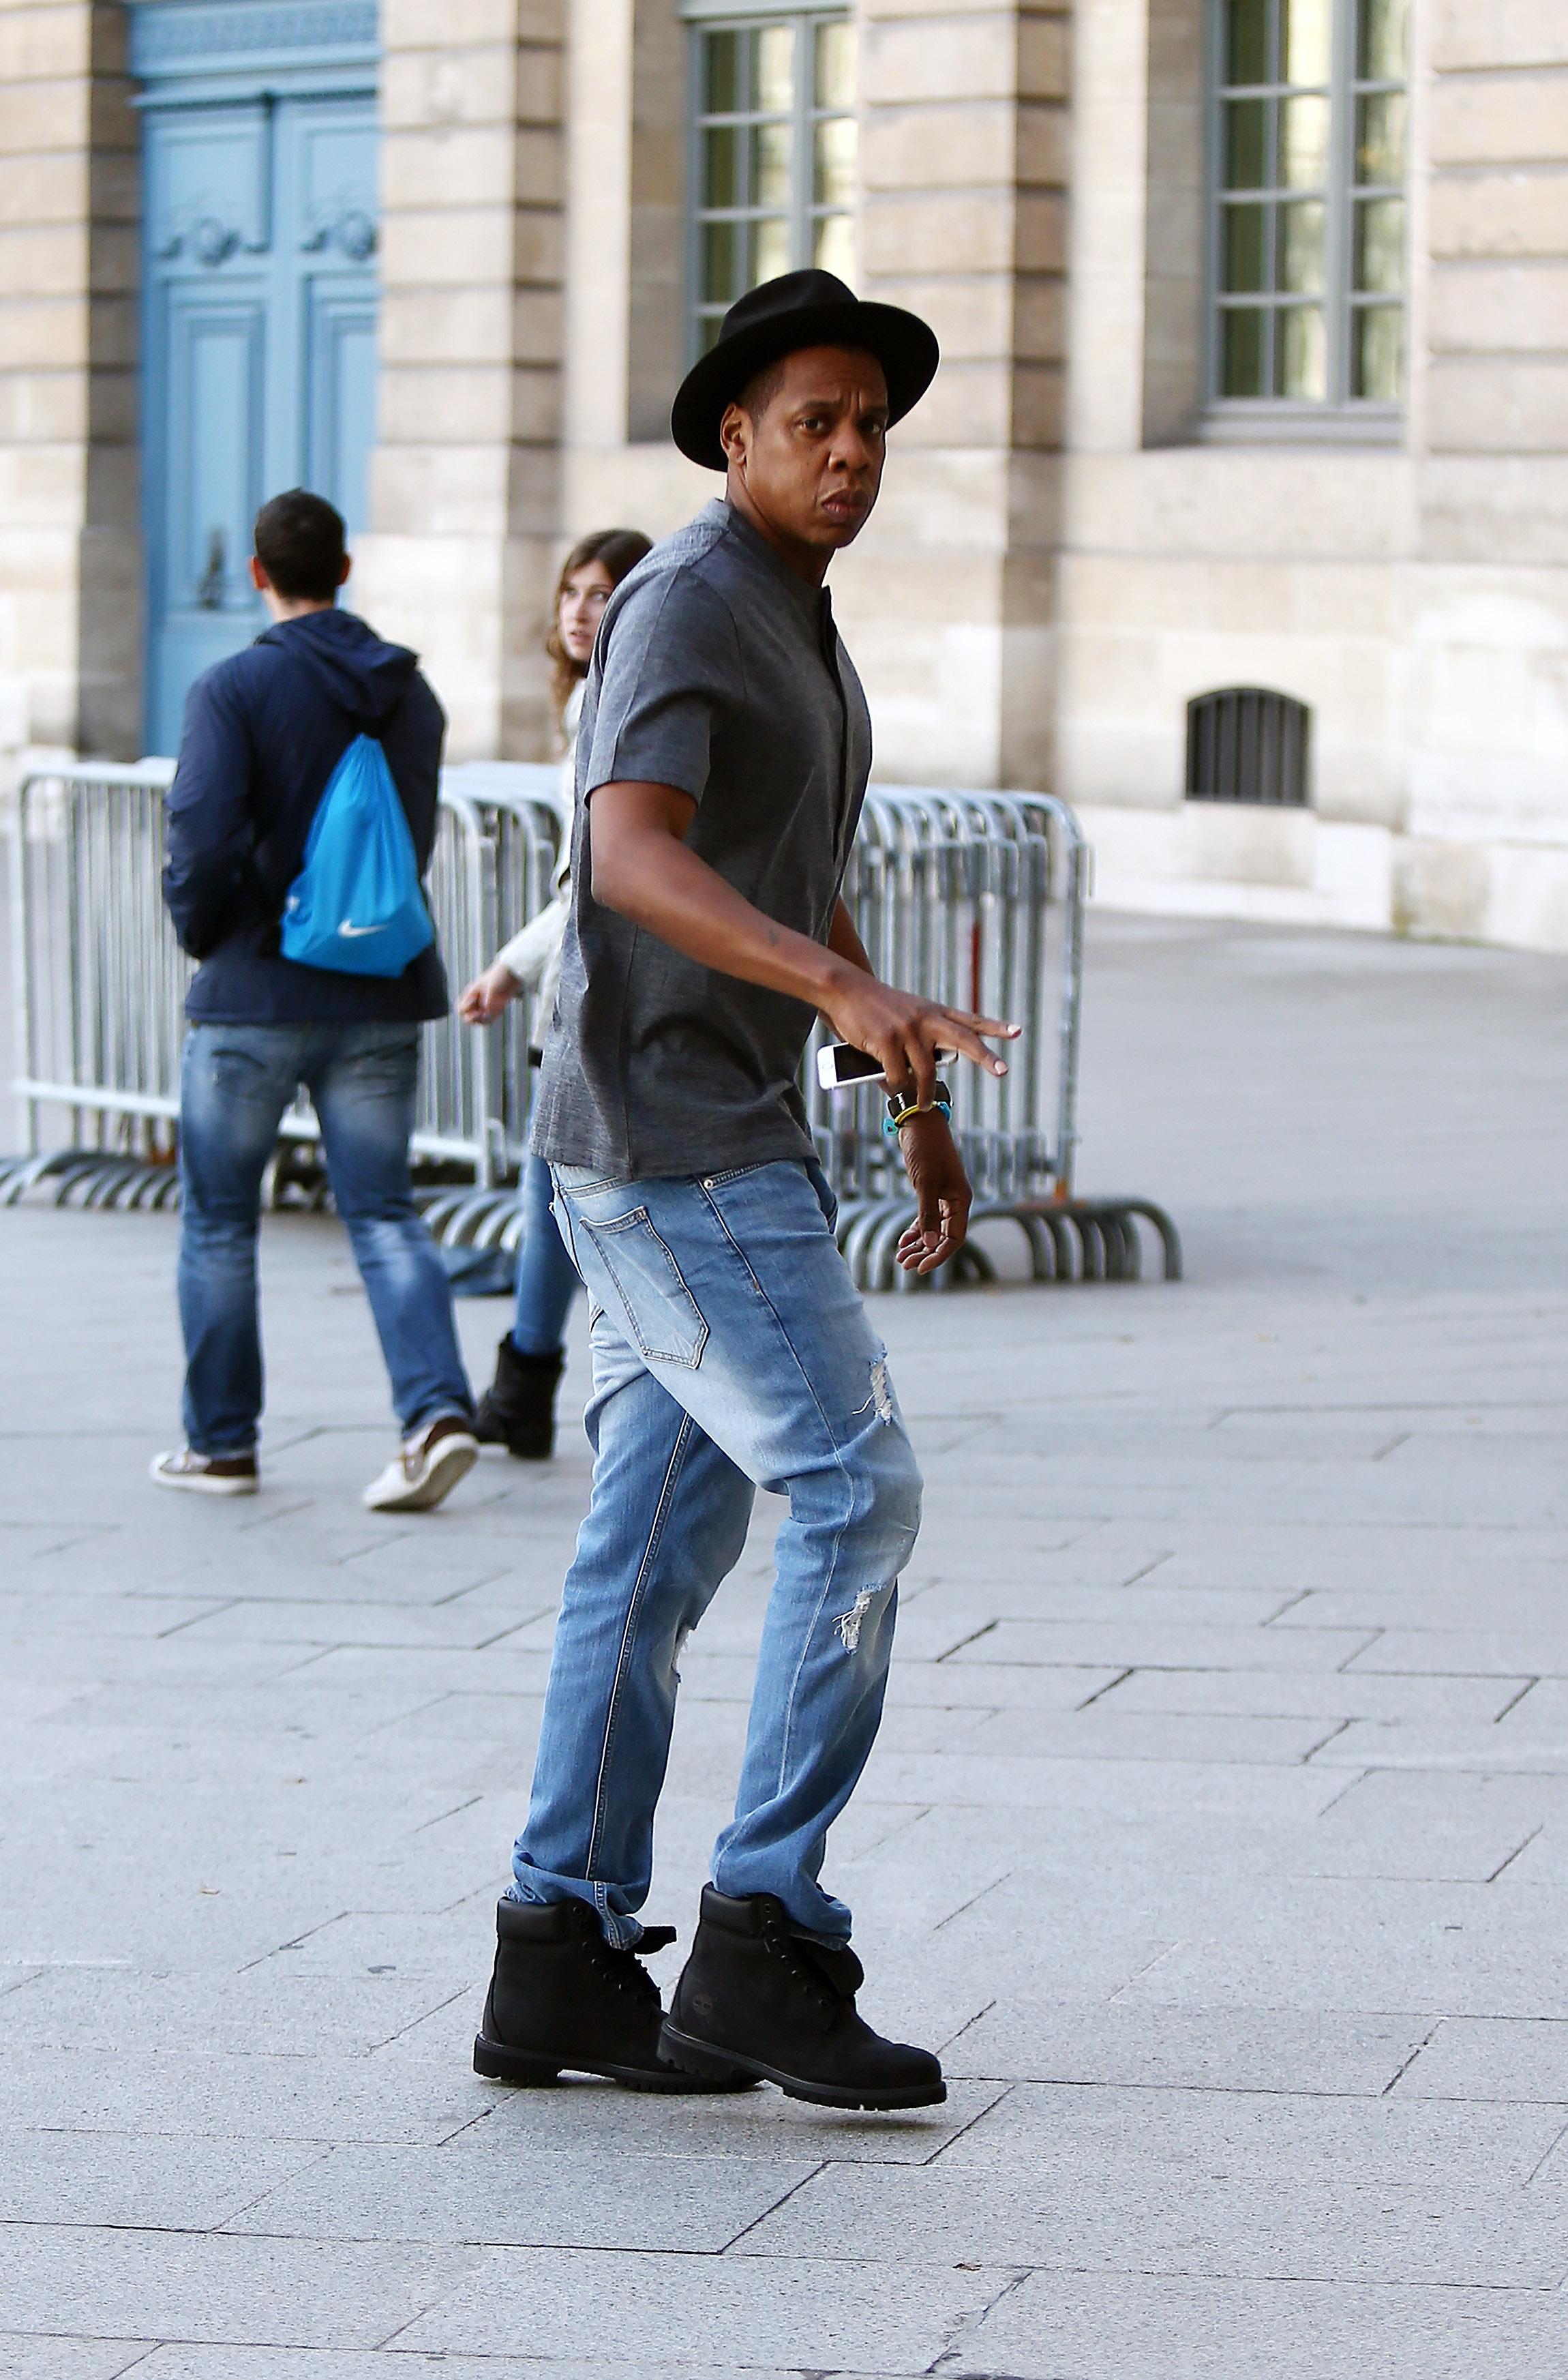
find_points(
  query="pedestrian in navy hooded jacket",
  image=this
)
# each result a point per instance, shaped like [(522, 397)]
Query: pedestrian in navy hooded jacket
[(263, 733)]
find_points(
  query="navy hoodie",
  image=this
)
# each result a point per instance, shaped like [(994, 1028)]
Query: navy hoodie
[(263, 731)]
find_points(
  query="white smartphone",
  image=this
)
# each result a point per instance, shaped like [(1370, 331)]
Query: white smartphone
[(839, 1066)]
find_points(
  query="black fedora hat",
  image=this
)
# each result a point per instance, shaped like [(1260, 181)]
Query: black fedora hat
[(799, 309)]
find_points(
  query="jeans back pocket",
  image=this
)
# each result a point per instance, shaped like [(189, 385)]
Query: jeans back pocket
[(665, 1318)]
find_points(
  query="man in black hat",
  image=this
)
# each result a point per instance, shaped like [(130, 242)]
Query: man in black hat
[(722, 760)]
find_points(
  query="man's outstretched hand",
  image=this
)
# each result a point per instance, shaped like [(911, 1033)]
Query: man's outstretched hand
[(905, 1032), (941, 1187)]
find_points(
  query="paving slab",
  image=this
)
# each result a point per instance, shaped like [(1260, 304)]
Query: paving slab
[(269, 2008), (201, 2095), (39, 2358), (1433, 1827), (1482, 1651), (836, 2313), (1135, 2326), (131, 2181), (1174, 1645), (1338, 1694), (324, 2364), (1107, 1733), (207, 2286), (481, 2192), (1196, 2048), (1522, 2059), (1482, 1750), (1254, 2136), (1109, 2215), (1362, 1944)]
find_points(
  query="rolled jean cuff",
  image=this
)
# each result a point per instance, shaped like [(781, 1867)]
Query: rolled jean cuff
[(621, 1932)]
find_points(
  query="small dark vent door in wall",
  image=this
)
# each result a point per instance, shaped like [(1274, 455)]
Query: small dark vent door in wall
[(1244, 743), (260, 303)]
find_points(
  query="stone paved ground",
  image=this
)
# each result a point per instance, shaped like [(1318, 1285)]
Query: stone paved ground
[(1218, 1834)]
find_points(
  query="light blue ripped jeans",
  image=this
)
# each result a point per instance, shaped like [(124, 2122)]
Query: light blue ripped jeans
[(730, 1352)]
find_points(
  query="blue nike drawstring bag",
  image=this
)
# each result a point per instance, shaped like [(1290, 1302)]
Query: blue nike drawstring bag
[(357, 906)]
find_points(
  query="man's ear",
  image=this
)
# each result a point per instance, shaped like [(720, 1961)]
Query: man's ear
[(347, 566), (258, 578), (734, 433)]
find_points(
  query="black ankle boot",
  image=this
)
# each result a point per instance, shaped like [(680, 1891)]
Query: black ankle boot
[(517, 1410), (757, 1997), (561, 1996)]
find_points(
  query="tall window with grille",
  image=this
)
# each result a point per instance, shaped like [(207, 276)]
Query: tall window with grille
[(773, 152), (1308, 143)]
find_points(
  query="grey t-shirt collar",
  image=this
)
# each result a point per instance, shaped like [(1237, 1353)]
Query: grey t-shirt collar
[(814, 603)]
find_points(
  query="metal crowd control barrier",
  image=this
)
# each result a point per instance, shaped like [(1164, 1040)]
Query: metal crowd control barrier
[(99, 986), (976, 899), (514, 821)]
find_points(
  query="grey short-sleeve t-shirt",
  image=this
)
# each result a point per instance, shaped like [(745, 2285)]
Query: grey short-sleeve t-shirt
[(720, 672)]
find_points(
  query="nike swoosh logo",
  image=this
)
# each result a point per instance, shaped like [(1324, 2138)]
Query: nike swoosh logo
[(350, 933)]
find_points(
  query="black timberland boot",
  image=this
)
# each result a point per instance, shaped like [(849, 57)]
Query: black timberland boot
[(517, 1410), (561, 1996), (776, 2004)]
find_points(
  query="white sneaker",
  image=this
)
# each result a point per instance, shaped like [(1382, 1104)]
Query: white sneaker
[(430, 1465), (206, 1475)]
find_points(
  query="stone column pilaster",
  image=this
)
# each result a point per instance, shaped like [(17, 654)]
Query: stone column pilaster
[(962, 217), (465, 478), (70, 602), (1497, 223)]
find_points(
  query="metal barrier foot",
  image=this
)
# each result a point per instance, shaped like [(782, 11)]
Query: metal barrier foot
[(462, 1216), (1091, 1239), (90, 1177)]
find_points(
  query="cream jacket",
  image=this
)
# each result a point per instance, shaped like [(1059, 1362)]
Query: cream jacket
[(533, 956)]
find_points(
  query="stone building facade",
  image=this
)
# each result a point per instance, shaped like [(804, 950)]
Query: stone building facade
[(1239, 512)]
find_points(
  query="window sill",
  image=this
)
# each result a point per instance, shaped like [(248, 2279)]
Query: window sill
[(1292, 807), (1284, 424), (696, 11)]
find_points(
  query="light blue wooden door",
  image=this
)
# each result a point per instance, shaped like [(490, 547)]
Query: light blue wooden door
[(260, 355)]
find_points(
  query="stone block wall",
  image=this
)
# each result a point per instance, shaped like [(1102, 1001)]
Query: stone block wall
[(70, 581)]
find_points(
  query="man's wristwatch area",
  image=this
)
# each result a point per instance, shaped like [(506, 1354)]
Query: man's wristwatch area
[(903, 1107)]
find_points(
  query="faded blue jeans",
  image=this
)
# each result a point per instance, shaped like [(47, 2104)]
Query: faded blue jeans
[(235, 1083), (730, 1352), (547, 1278)]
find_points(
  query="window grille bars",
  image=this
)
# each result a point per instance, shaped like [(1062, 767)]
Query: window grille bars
[(1248, 744)]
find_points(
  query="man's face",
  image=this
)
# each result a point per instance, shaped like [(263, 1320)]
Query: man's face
[(812, 462)]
